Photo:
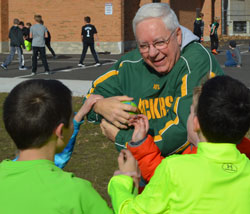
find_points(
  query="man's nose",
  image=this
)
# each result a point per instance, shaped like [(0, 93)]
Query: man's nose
[(152, 50)]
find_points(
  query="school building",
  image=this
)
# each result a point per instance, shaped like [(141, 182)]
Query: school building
[(112, 18)]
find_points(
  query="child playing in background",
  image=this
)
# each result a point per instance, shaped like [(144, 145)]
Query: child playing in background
[(38, 117), (233, 57), (215, 180)]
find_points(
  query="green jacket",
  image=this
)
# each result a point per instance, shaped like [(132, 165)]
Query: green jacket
[(39, 187), (213, 181), (164, 99)]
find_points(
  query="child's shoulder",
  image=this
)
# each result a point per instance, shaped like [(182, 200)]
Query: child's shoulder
[(179, 160)]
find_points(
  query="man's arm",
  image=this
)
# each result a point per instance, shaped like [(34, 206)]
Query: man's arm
[(109, 87)]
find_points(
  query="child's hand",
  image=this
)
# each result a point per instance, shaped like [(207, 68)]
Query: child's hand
[(141, 126), (128, 166), (86, 107), (127, 162)]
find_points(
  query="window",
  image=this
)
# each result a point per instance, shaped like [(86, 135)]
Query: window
[(239, 27)]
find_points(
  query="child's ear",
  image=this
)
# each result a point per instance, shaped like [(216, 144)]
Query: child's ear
[(59, 130), (196, 124)]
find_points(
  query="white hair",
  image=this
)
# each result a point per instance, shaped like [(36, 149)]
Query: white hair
[(157, 10)]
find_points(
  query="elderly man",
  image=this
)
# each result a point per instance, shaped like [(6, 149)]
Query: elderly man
[(159, 76)]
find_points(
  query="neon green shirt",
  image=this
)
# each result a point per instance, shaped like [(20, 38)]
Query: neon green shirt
[(39, 187), (216, 180)]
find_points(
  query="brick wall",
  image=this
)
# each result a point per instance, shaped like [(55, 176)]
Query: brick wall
[(64, 19)]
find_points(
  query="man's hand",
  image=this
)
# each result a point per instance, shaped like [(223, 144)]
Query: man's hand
[(114, 111), (109, 130), (141, 126)]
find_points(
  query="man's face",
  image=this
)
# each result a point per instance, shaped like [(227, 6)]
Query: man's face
[(149, 32)]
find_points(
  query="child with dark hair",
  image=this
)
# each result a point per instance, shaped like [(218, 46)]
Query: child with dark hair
[(233, 56), (47, 43), (38, 116), (16, 45), (89, 36), (215, 180)]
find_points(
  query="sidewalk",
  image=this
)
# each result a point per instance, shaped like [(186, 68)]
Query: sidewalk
[(79, 88)]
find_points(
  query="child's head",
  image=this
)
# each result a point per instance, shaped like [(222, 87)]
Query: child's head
[(33, 110), (28, 24), (21, 24), (232, 44), (87, 19), (223, 110), (38, 18), (16, 21)]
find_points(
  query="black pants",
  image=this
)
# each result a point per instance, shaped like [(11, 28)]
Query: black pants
[(43, 58), (50, 48), (214, 42), (92, 49)]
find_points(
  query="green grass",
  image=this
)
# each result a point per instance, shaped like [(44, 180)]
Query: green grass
[(94, 157)]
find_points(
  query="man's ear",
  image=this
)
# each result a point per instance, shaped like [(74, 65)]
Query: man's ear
[(59, 130), (179, 36), (196, 124)]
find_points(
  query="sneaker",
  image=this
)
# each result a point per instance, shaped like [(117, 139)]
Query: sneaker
[(214, 52), (23, 68), (33, 74), (81, 65), (55, 57), (97, 64), (47, 72), (3, 67)]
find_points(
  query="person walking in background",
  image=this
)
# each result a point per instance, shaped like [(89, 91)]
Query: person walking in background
[(16, 44), (47, 43), (25, 33), (233, 55), (38, 33), (28, 26), (88, 33), (24, 29), (214, 36), (199, 26)]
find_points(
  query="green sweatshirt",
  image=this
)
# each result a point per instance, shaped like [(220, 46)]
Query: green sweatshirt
[(213, 181), (165, 100), (39, 187)]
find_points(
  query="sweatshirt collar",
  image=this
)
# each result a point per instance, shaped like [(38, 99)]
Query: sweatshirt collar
[(226, 152)]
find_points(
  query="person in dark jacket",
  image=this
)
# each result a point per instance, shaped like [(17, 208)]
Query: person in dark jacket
[(16, 44), (199, 27), (28, 26), (233, 56), (47, 43), (89, 35)]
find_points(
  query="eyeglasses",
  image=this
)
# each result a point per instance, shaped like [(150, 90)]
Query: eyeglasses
[(159, 45)]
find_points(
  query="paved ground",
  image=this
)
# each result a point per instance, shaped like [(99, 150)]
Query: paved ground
[(79, 80)]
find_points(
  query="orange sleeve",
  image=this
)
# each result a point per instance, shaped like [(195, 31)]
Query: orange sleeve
[(244, 147), (148, 156)]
